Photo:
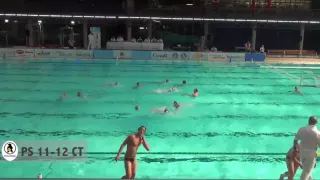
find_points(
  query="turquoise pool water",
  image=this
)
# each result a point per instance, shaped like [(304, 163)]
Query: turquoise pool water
[(240, 127)]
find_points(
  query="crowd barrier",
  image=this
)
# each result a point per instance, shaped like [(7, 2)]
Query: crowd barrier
[(130, 55)]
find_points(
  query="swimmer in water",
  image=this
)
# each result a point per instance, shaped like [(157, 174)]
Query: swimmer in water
[(138, 85), (132, 142), (62, 97), (81, 95), (160, 91), (115, 84), (162, 110), (184, 82), (194, 94), (297, 91), (177, 106), (165, 81)]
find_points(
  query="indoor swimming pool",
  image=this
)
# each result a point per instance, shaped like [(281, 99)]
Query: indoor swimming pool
[(240, 127)]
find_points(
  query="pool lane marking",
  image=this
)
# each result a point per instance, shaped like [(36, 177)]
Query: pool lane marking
[(190, 153)]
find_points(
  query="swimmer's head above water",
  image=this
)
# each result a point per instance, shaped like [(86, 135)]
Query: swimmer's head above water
[(79, 94), (195, 90), (142, 130), (166, 110), (184, 82), (167, 80), (138, 84), (175, 104), (116, 83)]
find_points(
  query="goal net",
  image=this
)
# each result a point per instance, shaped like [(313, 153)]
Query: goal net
[(309, 79)]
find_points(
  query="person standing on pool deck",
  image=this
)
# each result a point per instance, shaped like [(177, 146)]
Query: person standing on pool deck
[(132, 142), (310, 141)]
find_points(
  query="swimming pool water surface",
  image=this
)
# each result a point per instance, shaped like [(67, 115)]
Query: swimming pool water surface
[(240, 127)]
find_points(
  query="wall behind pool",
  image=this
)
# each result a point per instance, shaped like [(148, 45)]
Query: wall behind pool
[(129, 55)]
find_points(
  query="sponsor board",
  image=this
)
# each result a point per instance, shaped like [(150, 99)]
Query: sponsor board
[(199, 56), (69, 54), (122, 54), (7, 52), (217, 57), (165, 55), (236, 56), (27, 53)]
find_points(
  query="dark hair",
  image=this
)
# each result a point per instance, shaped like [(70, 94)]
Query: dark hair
[(184, 81), (313, 120), (142, 127), (10, 146)]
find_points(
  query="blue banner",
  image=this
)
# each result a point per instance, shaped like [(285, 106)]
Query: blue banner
[(141, 55), (103, 54), (255, 57)]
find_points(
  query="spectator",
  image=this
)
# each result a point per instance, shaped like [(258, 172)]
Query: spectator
[(214, 49), (153, 40), (147, 40), (91, 41), (113, 39), (160, 40), (247, 46), (140, 40), (71, 44), (133, 40), (262, 49), (120, 39)]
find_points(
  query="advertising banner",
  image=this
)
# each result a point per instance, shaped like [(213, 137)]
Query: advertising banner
[(255, 57), (236, 56), (217, 57), (168, 55), (7, 52), (63, 54), (103, 54), (26, 53), (141, 55), (122, 54), (199, 56)]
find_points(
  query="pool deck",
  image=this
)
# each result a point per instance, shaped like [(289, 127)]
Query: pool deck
[(292, 60)]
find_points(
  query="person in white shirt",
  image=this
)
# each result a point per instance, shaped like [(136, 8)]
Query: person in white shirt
[(262, 49), (133, 40), (113, 39), (147, 40), (120, 39), (214, 49), (91, 41), (71, 44), (310, 141), (154, 40), (139, 40), (160, 41)]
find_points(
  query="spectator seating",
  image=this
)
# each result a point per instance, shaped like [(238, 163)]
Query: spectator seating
[(289, 52)]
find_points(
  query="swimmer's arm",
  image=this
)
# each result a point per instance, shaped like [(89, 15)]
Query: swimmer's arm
[(125, 142), (145, 144)]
